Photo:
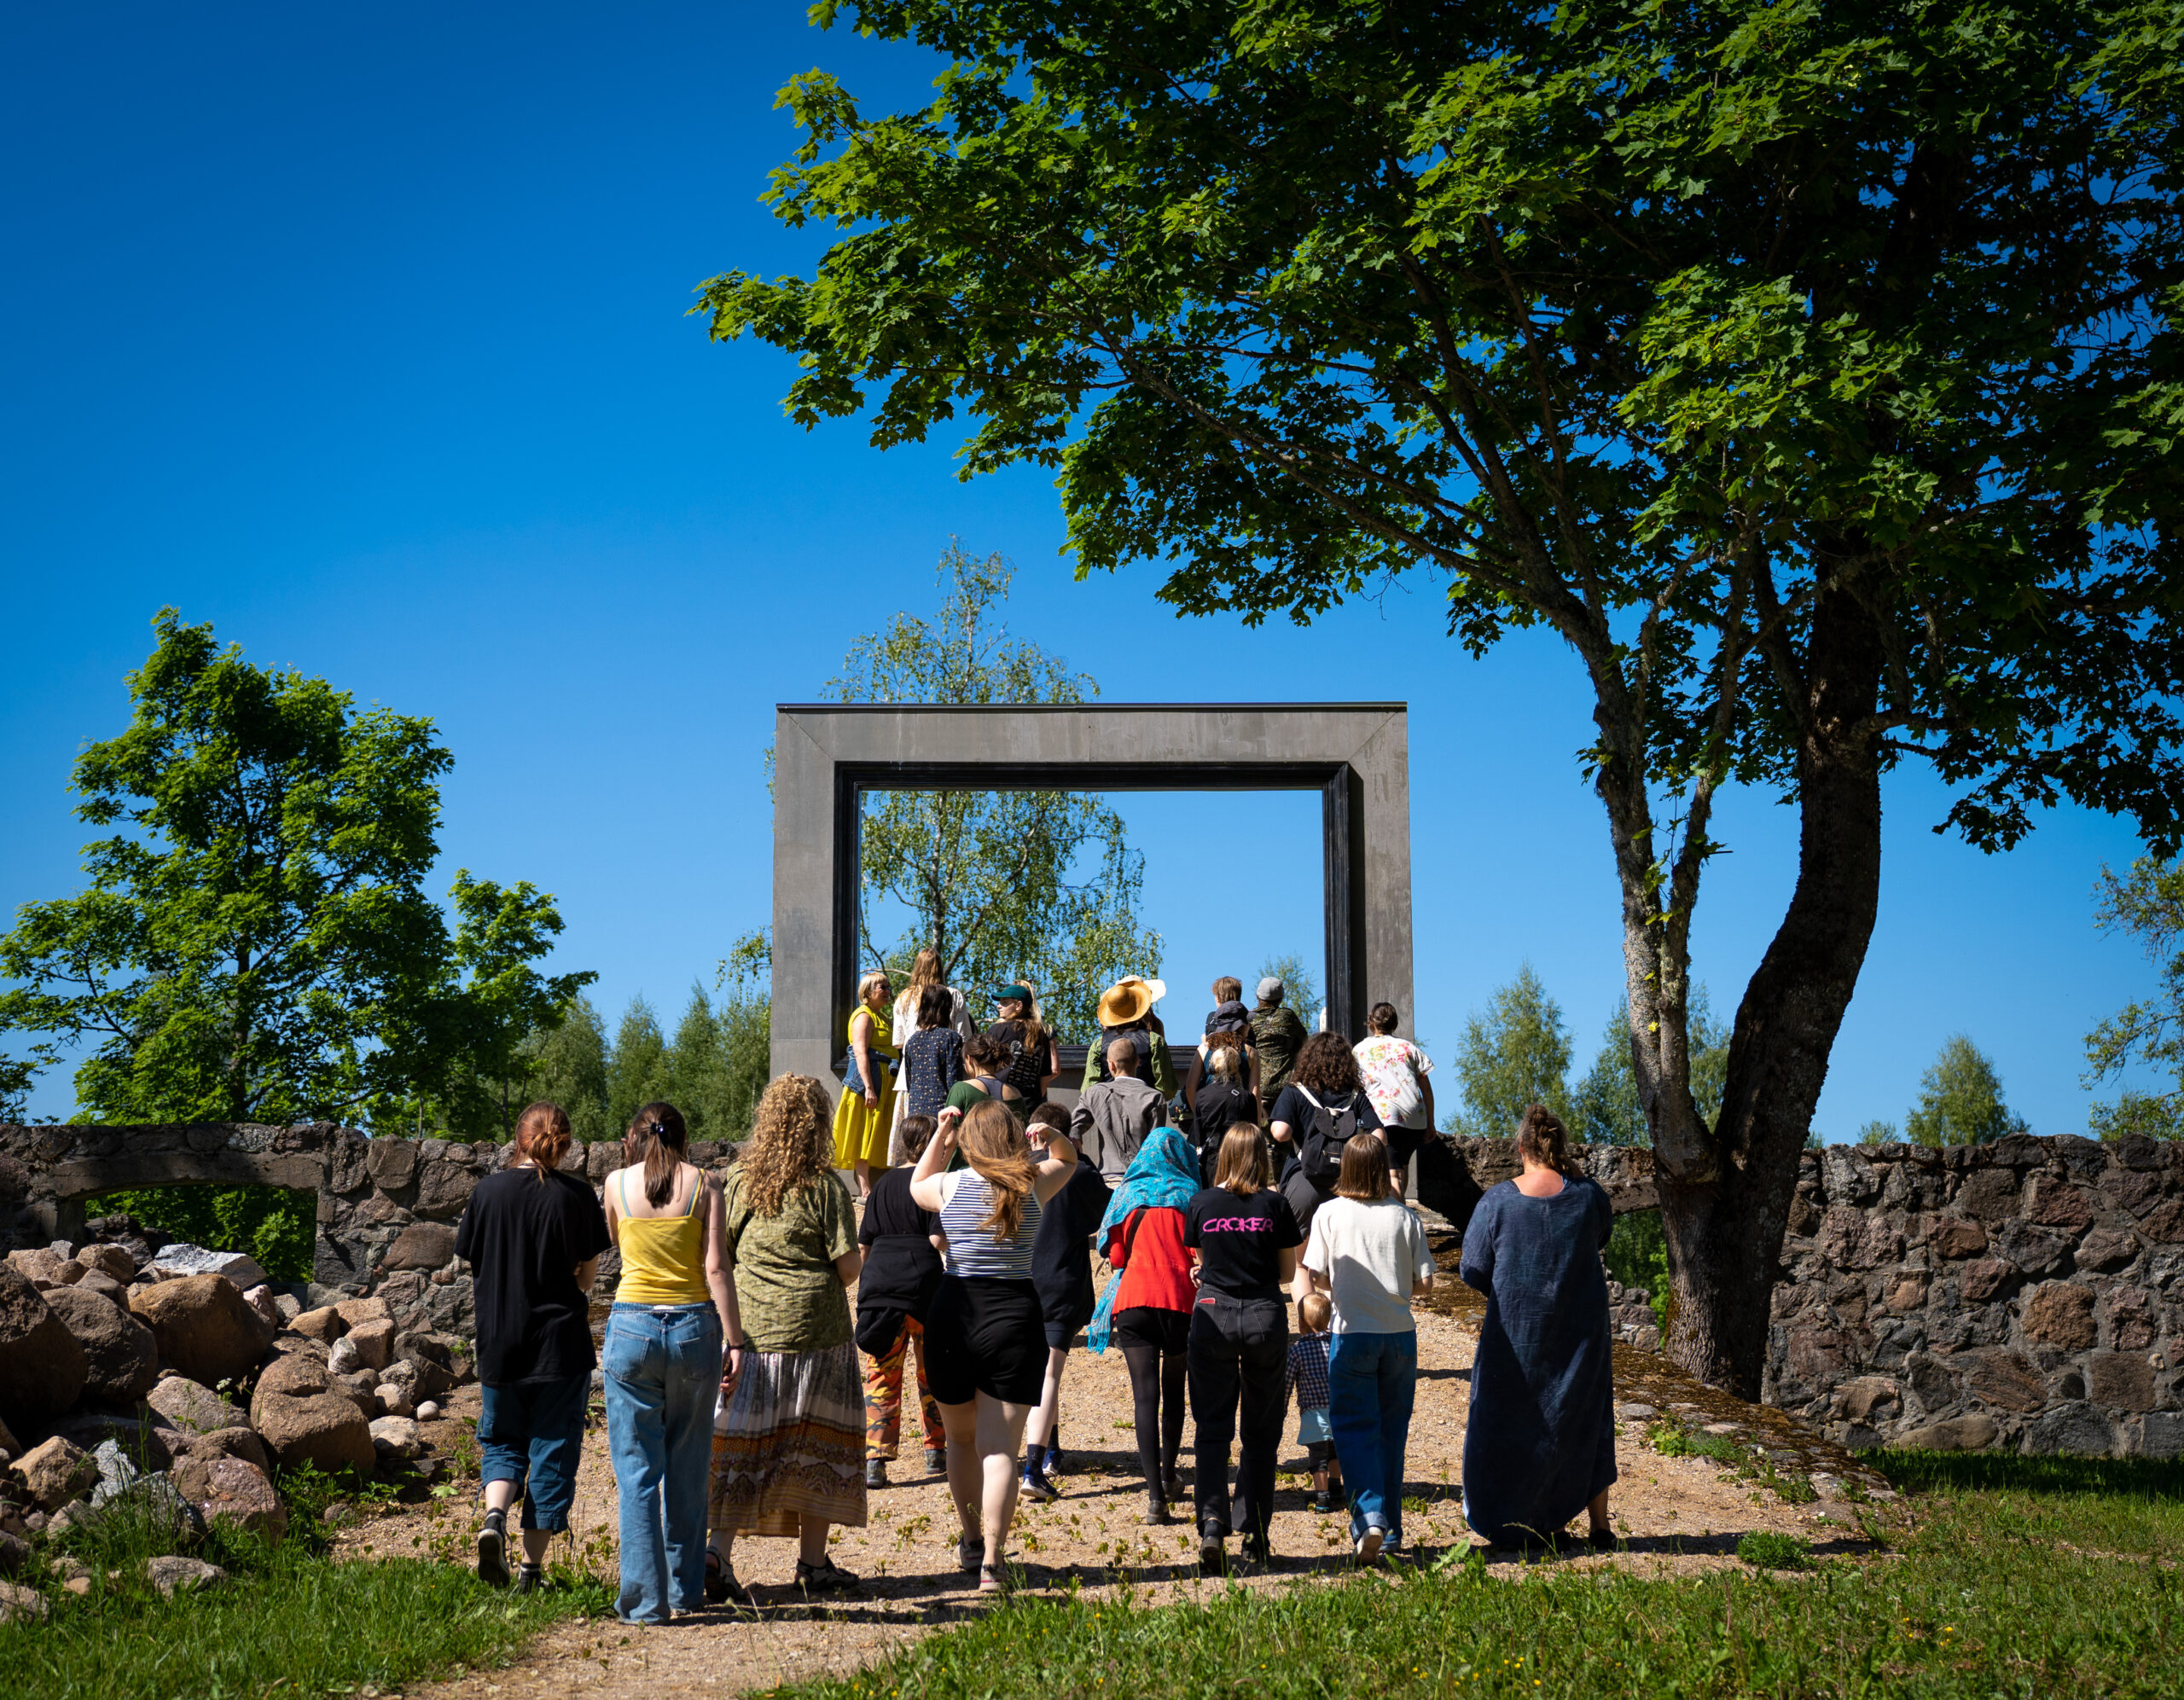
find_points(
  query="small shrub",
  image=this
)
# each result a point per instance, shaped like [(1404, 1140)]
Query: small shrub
[(1673, 1440), (1764, 1551)]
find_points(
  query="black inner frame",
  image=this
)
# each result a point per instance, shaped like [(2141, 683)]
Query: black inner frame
[(1342, 817)]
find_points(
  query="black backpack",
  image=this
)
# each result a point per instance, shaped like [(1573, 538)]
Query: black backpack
[(1320, 1152)]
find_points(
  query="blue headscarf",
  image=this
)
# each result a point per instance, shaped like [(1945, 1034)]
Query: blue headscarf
[(1163, 1174)]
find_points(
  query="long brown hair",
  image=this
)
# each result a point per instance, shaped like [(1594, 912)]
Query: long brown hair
[(1244, 1168), (542, 1136), (791, 1144), (997, 1152), (656, 1139)]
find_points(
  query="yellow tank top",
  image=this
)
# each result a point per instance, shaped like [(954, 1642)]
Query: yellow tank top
[(663, 1257)]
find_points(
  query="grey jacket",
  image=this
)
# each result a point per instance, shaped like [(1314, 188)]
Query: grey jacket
[(1111, 1121)]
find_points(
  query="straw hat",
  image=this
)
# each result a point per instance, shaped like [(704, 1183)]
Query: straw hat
[(1129, 999)]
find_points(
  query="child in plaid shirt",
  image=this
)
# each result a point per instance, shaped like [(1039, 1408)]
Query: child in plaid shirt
[(1307, 1377)]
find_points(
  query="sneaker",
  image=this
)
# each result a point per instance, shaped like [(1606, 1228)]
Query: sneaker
[(1369, 1544), (493, 1550), (876, 1472), (1172, 1485), (970, 1553), (530, 1579), (1033, 1484), (1258, 1550), (1053, 1464), (1324, 1502), (936, 1460), (824, 1577), (1156, 1511), (1212, 1552)]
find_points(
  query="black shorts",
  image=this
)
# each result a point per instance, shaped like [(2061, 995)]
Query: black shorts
[(1167, 1332), (985, 1336), (1321, 1452)]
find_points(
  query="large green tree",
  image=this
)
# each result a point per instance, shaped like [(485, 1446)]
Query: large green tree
[(1002, 884), (256, 942), (1811, 371), (1515, 1053)]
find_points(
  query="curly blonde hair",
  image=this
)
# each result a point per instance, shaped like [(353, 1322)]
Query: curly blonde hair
[(791, 1143)]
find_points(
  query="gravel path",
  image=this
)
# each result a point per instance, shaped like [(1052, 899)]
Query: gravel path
[(1678, 1516)]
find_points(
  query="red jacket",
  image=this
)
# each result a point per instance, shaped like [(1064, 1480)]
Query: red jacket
[(1156, 1275)]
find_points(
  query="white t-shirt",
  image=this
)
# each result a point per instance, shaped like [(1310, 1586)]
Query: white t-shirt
[(1370, 1254)]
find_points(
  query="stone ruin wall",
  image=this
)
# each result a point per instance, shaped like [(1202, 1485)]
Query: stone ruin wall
[(386, 1207), (2026, 1295)]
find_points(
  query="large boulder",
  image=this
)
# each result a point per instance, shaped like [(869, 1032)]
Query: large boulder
[(223, 1488), (41, 1367), (184, 1262), (121, 1359), (304, 1420), (204, 1327), (373, 1341), (54, 1472), (45, 1269), (192, 1407), (110, 1261), (235, 1442)]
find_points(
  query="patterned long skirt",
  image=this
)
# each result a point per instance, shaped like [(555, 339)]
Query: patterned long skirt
[(790, 1444)]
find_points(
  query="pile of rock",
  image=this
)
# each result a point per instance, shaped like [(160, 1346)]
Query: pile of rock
[(1631, 1315), (181, 1378)]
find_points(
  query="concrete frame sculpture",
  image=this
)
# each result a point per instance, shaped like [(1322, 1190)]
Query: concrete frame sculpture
[(828, 755)]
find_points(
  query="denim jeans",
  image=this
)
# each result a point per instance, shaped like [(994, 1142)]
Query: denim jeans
[(531, 1433), (1371, 1382), (663, 1374), (1239, 1354)]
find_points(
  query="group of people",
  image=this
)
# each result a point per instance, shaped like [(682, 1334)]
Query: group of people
[(736, 1401)]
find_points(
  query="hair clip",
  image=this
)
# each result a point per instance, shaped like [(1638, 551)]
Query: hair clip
[(659, 1130)]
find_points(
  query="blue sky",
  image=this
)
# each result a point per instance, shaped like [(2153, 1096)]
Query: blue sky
[(361, 334)]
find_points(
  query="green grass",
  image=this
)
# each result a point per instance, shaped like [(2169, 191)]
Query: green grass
[(1765, 1550), (2034, 1582), (287, 1620)]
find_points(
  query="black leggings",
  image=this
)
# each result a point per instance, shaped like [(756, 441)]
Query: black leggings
[(1153, 1343)]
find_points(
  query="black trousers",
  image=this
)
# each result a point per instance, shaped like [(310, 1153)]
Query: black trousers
[(1239, 1350)]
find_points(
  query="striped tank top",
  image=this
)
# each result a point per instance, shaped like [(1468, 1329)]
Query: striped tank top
[(663, 1257), (972, 1251)]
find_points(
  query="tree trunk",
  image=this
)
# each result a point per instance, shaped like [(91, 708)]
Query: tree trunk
[(1725, 1231)]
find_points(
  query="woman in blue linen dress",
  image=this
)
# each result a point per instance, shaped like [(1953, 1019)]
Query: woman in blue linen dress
[(1540, 1445)]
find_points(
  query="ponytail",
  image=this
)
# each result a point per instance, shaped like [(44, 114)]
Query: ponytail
[(656, 1140), (542, 1137)]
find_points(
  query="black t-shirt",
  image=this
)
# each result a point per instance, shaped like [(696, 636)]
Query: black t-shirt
[(1294, 1108), (1061, 1251), (1025, 1071), (1220, 1105), (523, 1242), (890, 1209), (1238, 1240)]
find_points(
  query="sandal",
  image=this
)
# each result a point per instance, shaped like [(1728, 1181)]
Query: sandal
[(720, 1580), (824, 1577)]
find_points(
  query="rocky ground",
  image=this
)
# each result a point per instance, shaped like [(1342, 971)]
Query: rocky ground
[(173, 1375), (1678, 1514)]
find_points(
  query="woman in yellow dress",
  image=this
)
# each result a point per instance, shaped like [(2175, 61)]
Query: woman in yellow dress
[(867, 1099)]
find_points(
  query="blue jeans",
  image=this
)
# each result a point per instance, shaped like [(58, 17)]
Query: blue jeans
[(663, 1374), (1372, 1379), (531, 1433)]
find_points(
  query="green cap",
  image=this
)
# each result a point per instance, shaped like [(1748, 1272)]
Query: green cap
[(1006, 994)]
